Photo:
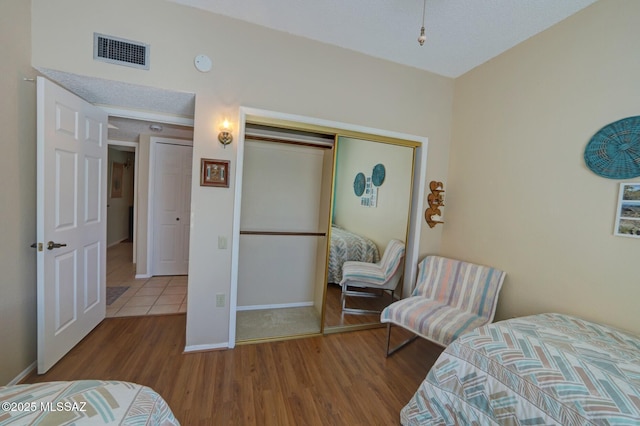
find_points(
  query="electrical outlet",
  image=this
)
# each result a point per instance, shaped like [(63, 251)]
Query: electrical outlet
[(220, 300)]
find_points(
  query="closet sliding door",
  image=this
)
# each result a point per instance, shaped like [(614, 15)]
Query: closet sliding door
[(282, 252)]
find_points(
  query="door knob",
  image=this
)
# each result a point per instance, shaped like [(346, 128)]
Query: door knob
[(51, 245)]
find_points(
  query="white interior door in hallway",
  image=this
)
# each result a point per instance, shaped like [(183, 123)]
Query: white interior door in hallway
[(172, 206), (71, 220)]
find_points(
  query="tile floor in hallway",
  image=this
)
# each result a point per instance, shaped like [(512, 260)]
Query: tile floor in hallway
[(147, 296)]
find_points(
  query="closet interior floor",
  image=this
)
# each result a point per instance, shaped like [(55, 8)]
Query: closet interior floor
[(275, 323)]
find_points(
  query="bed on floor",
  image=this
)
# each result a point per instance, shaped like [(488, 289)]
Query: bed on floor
[(346, 245), (83, 402), (542, 369)]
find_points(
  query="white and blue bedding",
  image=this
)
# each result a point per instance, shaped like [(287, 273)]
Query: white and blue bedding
[(547, 369), (83, 402), (346, 246)]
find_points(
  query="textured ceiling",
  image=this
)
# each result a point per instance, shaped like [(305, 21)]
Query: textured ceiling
[(173, 110), (100, 91), (461, 34)]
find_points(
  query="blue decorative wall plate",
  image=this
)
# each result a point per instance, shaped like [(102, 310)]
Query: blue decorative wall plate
[(614, 151), (359, 184), (378, 174)]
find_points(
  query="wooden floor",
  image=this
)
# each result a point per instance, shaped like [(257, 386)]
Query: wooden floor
[(339, 379)]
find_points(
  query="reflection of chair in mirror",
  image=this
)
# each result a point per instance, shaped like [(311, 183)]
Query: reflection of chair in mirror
[(378, 277), (450, 297)]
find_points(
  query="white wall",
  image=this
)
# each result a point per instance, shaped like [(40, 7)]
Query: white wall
[(281, 187), (519, 195), (281, 191), (389, 219), (18, 206), (253, 67)]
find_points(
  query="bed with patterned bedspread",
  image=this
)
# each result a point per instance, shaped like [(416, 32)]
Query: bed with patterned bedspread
[(542, 369), (345, 246), (83, 402)]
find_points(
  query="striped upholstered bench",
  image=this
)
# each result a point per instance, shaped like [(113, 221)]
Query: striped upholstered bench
[(451, 297)]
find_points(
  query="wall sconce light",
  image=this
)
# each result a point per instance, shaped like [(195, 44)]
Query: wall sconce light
[(225, 136), (128, 163), (433, 214)]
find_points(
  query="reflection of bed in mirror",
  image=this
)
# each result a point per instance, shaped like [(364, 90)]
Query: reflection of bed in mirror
[(346, 245)]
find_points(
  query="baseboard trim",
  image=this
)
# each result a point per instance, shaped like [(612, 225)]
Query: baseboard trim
[(115, 243), (277, 306), (24, 374), (141, 276), (206, 348)]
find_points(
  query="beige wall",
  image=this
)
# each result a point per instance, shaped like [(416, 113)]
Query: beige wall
[(519, 195), (18, 206), (254, 67), (389, 219)]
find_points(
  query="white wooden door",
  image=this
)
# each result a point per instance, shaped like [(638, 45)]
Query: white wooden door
[(71, 220), (172, 208)]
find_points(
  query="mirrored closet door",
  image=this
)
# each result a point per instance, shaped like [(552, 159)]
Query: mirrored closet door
[(371, 206)]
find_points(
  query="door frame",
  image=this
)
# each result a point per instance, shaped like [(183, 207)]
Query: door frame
[(158, 117), (417, 199), (134, 145), (153, 143)]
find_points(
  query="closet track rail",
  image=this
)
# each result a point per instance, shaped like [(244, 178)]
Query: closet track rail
[(284, 233), (253, 137)]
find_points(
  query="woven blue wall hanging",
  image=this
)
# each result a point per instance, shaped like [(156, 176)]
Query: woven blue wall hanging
[(614, 151), (377, 177), (359, 184)]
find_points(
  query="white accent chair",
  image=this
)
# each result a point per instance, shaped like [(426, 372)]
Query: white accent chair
[(378, 277)]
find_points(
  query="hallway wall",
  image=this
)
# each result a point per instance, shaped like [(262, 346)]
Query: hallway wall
[(18, 206)]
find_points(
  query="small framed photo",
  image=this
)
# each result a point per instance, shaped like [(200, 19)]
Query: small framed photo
[(214, 172), (117, 170), (628, 212)]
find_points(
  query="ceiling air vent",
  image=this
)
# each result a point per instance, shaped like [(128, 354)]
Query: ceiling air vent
[(120, 51)]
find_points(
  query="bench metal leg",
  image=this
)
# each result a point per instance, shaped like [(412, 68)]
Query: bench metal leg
[(401, 345), (353, 293)]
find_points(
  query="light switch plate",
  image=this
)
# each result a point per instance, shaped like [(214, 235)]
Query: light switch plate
[(222, 242)]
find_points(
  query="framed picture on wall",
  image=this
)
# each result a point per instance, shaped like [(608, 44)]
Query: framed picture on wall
[(628, 212), (214, 172), (116, 179)]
